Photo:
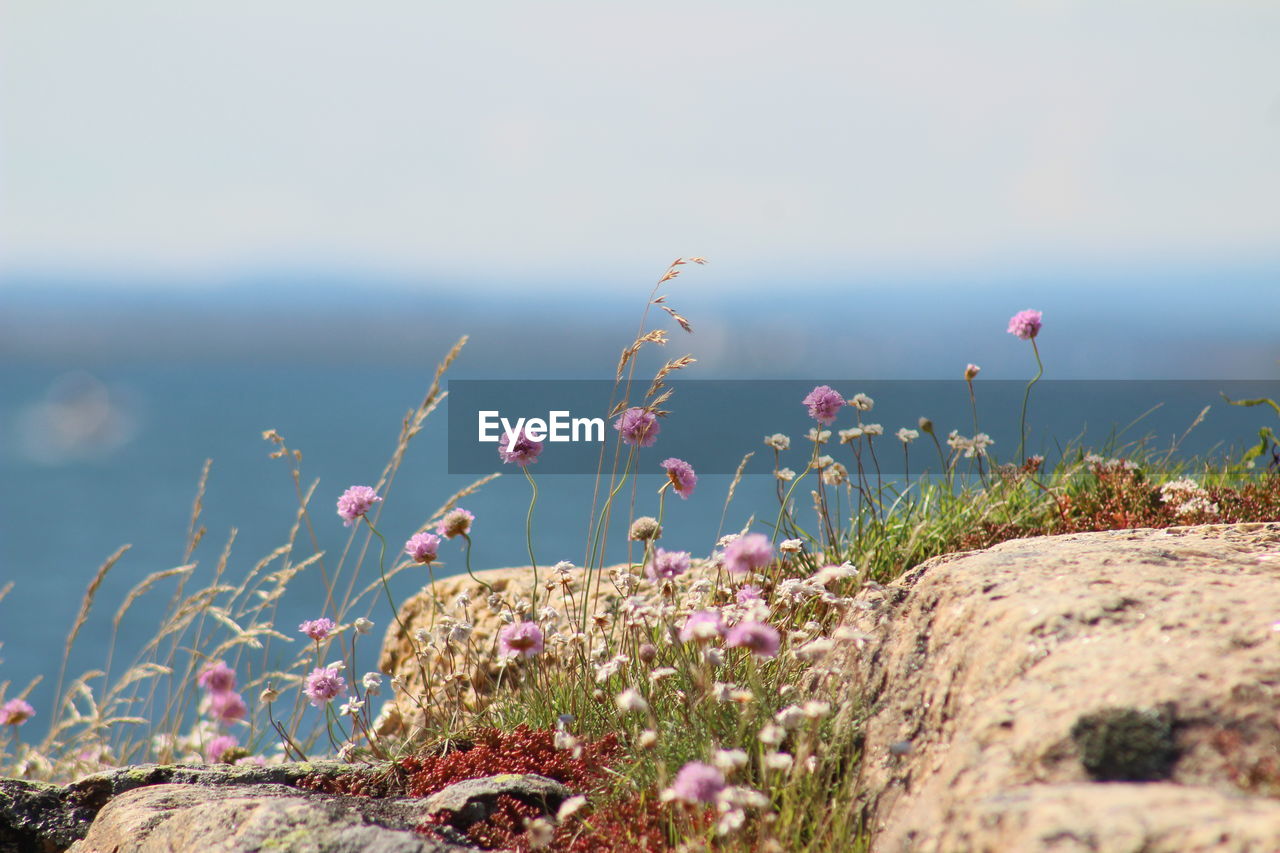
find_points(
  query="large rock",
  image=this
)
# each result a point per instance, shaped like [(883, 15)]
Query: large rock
[(1114, 691)]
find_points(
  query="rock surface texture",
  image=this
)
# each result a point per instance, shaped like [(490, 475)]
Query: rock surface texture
[(1114, 691), (149, 809)]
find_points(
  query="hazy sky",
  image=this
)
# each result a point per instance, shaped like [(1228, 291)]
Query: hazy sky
[(519, 140)]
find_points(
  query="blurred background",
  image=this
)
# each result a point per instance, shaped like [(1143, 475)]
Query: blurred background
[(218, 218)]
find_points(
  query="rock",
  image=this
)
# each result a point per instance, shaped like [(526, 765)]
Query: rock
[(472, 800), (1023, 677), (37, 818), (175, 817)]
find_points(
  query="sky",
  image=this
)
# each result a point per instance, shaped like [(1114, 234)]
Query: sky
[(179, 145)]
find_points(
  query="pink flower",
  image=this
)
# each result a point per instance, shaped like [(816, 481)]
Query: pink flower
[(667, 564), (761, 639), (456, 522), (218, 747), (638, 426), (217, 677), (971, 372), (423, 547), (681, 474), (355, 502), (748, 553), (520, 638), (697, 783), (324, 685), (227, 706), (15, 712), (1025, 324), (318, 629), (523, 451), (748, 594), (702, 625), (823, 403)]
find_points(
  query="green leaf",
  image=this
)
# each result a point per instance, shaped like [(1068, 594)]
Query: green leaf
[(1258, 402)]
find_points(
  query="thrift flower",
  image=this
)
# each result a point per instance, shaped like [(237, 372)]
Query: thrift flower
[(638, 426), (823, 403), (324, 685), (667, 564), (355, 502), (702, 625), (748, 553), (523, 451), (363, 625), (906, 436), (862, 402), (15, 712), (748, 594), (644, 529), (697, 783), (761, 639), (520, 638), (220, 746), (786, 475), (681, 474), (456, 522), (227, 706), (1025, 324), (630, 701), (778, 441), (217, 677), (318, 629), (372, 683), (423, 547)]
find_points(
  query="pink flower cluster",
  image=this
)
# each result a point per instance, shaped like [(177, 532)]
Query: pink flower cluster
[(823, 402), (223, 704), (521, 638), (423, 547), (318, 629), (15, 712), (355, 502), (638, 427), (324, 684), (681, 475), (760, 639), (1025, 324)]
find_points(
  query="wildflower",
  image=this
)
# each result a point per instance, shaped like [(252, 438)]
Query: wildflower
[(696, 783), (772, 735), (818, 436), (971, 371), (981, 442), (906, 436), (630, 701), (648, 739), (15, 712), (611, 667), (926, 425), (217, 677), (523, 451), (835, 474), (681, 475), (456, 522), (563, 568), (227, 706), (219, 747), (790, 717), (748, 594), (541, 833), (645, 529), (778, 441), (667, 564), (702, 625), (648, 652), (815, 710), (748, 553), (1025, 324), (780, 761), (1187, 498), (791, 546), (268, 695), (815, 650), (823, 403), (570, 807), (318, 629), (786, 475), (324, 684), (351, 708), (363, 625), (823, 461), (423, 547), (761, 639), (372, 682), (862, 402), (661, 673), (848, 435), (638, 426), (729, 760), (355, 502), (872, 429), (521, 638)]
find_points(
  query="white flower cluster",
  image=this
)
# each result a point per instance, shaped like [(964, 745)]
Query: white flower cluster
[(1188, 499)]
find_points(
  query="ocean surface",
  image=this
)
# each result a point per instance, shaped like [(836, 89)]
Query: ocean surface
[(109, 409)]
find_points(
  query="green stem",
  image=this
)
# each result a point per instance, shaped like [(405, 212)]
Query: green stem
[(1022, 441), (528, 535), (473, 575), (777, 525)]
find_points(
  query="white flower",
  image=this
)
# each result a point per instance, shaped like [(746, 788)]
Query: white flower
[(790, 717), (906, 436), (772, 735), (611, 668), (819, 436), (862, 402), (630, 701), (791, 546), (564, 740), (661, 673), (815, 650), (350, 708), (815, 710), (822, 462), (729, 760), (564, 567), (423, 636), (462, 601), (848, 435), (569, 807), (778, 761), (541, 833), (648, 739), (372, 682), (730, 821), (872, 429), (778, 441), (363, 625), (786, 475), (835, 474)]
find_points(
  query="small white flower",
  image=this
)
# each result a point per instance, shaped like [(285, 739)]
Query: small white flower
[(630, 701), (822, 462), (906, 436), (778, 441), (372, 682), (786, 475), (791, 546), (772, 735), (350, 708), (790, 717), (661, 673), (363, 625), (847, 436), (564, 567), (778, 761), (729, 760), (862, 402), (872, 429), (569, 807), (819, 436), (648, 739), (541, 833), (815, 710)]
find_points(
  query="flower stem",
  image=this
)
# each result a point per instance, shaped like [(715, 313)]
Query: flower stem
[(528, 535), (1022, 441)]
